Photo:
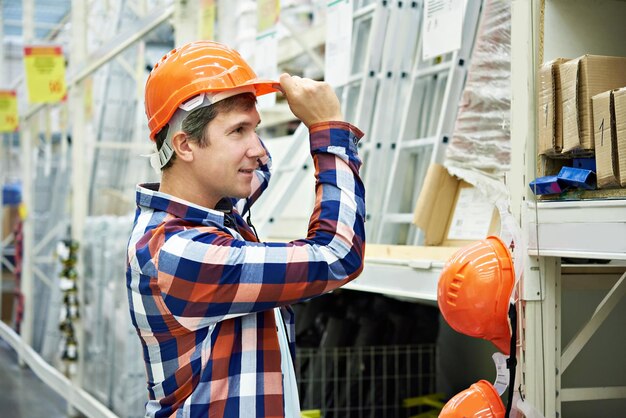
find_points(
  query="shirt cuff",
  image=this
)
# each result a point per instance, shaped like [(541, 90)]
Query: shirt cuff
[(334, 133)]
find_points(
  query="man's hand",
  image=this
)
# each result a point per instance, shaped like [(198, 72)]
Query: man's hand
[(311, 101)]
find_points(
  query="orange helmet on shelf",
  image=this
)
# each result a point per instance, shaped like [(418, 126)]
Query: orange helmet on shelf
[(195, 68), (481, 400), (474, 290)]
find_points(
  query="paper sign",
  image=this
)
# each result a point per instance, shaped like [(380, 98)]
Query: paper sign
[(443, 27), (338, 42), (8, 111), (207, 19), (45, 73), (472, 216), (266, 64), (268, 13)]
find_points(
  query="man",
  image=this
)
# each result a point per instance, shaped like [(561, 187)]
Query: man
[(210, 302)]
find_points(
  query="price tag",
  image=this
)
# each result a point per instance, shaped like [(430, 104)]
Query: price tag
[(207, 19), (45, 73), (338, 42), (8, 111), (472, 216), (268, 13)]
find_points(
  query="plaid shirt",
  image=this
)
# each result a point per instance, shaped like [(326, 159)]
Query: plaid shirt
[(202, 291)]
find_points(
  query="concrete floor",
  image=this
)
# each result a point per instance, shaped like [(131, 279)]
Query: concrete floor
[(22, 394)]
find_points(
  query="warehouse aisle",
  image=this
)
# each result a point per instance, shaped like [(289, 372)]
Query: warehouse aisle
[(22, 394)]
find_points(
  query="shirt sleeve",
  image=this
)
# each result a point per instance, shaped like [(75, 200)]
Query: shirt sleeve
[(205, 275)]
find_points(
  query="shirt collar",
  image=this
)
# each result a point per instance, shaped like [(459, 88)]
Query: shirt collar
[(148, 195)]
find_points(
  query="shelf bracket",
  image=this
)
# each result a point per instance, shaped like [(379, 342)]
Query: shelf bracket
[(601, 313)]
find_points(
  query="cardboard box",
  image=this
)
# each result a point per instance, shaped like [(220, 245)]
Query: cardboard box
[(7, 292), (619, 98), (549, 109), (7, 307), (581, 79), (550, 166), (607, 167), (452, 212), (10, 215)]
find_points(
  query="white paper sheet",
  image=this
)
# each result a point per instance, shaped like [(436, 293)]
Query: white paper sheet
[(338, 42), (472, 216), (443, 27)]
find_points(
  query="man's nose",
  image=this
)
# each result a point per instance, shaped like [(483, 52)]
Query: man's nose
[(256, 149)]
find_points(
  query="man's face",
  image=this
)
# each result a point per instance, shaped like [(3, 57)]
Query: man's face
[(225, 167)]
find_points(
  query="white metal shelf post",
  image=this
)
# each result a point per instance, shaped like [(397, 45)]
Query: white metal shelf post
[(540, 321), (26, 150), (79, 193)]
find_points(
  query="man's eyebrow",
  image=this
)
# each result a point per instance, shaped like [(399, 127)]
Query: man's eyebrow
[(242, 124)]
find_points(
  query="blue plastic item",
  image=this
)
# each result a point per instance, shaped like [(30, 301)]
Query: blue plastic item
[(546, 185), (11, 194), (577, 178)]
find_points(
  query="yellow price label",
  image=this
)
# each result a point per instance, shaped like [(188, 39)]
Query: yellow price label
[(207, 19), (268, 13), (8, 111), (22, 211), (45, 73)]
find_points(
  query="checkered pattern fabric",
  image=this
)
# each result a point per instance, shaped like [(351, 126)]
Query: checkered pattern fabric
[(202, 290)]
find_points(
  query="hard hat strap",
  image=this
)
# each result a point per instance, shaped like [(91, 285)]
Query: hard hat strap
[(512, 360)]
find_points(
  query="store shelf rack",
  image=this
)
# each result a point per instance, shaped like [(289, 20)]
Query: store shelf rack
[(554, 230), (594, 229), (402, 271)]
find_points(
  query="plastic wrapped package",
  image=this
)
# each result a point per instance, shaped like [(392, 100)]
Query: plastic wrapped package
[(481, 138), (114, 362)]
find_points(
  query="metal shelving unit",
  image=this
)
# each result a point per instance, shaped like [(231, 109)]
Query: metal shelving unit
[(586, 229)]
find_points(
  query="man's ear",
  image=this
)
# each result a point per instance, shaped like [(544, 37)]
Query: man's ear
[(180, 143)]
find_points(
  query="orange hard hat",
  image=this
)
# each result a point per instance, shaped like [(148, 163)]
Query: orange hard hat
[(481, 400), (195, 68), (474, 291)]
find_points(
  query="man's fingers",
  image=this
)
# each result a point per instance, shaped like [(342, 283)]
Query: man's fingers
[(291, 83), (278, 87), (287, 82), (309, 100)]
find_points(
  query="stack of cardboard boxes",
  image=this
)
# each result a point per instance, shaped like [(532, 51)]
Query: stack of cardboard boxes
[(9, 212), (581, 117), (7, 281)]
